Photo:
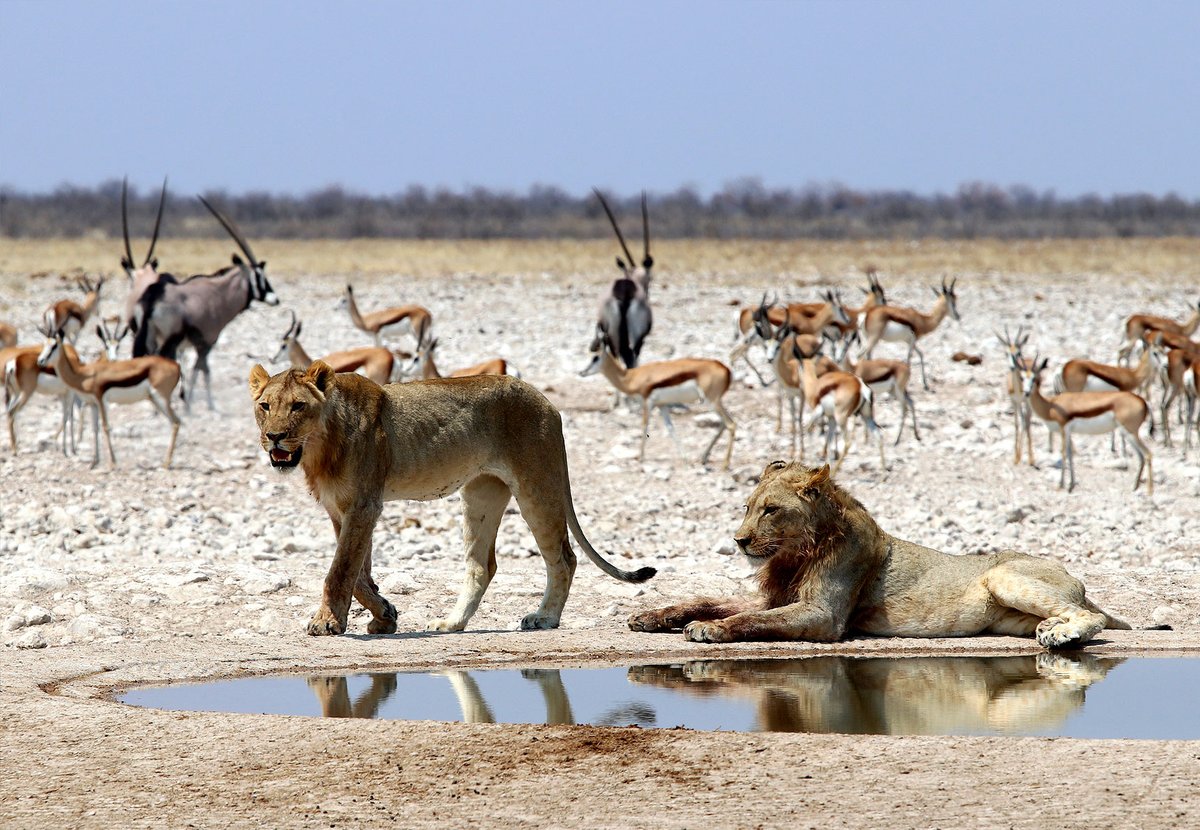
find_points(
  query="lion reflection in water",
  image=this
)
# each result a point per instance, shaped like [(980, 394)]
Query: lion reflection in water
[(895, 696)]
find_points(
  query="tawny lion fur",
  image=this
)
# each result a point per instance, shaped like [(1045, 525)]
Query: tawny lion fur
[(826, 569), (361, 444)]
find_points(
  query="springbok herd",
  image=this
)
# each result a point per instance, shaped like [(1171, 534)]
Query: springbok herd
[(818, 357)]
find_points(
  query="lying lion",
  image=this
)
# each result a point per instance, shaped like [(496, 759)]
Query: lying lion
[(826, 569), (360, 444)]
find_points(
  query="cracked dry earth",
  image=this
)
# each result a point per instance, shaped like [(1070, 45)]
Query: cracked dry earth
[(112, 578)]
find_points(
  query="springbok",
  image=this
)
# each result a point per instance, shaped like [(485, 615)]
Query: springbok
[(199, 308), (666, 383), (376, 362), (1139, 325), (785, 344), (1090, 413), (106, 382), (423, 364), (875, 297), (899, 324), (405, 319), (625, 311), (70, 317), (837, 396), (8, 335), (1179, 380), (23, 377), (143, 276), (881, 376), (1022, 415), (814, 318)]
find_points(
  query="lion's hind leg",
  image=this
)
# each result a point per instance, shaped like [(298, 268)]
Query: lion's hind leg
[(484, 500), (1043, 589), (544, 508), (702, 609)]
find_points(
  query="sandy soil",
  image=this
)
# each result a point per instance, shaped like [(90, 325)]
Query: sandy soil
[(113, 577)]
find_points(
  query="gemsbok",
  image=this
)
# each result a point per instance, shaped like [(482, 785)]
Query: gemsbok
[(666, 383), (898, 324), (405, 319), (199, 308), (375, 362), (1089, 413), (424, 367), (1137, 326), (104, 382), (141, 277), (625, 311)]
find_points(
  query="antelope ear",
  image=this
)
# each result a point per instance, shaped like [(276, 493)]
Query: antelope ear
[(258, 380), (237, 260), (321, 375)]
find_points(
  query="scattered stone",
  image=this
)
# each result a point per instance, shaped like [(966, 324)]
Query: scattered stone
[(32, 638)]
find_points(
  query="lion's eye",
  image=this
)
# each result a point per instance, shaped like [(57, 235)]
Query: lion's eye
[(769, 509), (264, 406), (297, 406)]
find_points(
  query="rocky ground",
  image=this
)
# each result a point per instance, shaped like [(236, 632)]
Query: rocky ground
[(132, 574)]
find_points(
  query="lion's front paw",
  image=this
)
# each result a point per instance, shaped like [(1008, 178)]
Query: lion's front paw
[(325, 623), (1055, 632), (538, 621), (707, 632), (445, 625), (652, 621)]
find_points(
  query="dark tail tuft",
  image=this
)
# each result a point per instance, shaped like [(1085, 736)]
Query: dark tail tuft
[(642, 574)]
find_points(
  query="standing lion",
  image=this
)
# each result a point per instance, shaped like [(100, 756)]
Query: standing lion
[(825, 568)]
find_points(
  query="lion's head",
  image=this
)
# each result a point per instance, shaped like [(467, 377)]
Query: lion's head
[(795, 517), (288, 409)]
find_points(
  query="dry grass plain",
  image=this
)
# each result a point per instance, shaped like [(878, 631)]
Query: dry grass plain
[(138, 575)]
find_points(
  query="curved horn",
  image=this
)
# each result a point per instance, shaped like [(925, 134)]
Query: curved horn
[(229, 227), (291, 326), (647, 261), (125, 220), (628, 256), (162, 201)]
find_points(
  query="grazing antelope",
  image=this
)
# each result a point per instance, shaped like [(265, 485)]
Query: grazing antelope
[(881, 376), (70, 317), (376, 362), (814, 318), (1022, 415), (898, 324), (666, 383), (1090, 413), (145, 275), (428, 370), (199, 308), (405, 319), (22, 378), (625, 311), (837, 396), (104, 382), (8, 335), (1139, 325)]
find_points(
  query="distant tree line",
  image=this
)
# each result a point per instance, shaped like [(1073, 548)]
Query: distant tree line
[(742, 209)]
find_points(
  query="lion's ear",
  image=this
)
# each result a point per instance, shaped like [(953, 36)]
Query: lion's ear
[(320, 375), (258, 380), (818, 479), (772, 469)]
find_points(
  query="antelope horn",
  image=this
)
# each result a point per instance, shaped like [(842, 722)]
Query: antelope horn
[(229, 227), (291, 326), (162, 201), (612, 219), (125, 221), (648, 261)]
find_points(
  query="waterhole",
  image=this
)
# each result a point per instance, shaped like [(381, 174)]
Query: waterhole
[(1080, 696)]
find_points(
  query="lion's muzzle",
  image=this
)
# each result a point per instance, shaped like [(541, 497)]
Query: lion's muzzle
[(282, 457)]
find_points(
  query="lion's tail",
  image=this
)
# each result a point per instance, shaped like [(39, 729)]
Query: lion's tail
[(640, 575), (1115, 623)]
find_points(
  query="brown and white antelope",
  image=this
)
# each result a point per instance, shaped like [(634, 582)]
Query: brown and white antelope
[(405, 319), (1022, 414), (70, 317), (836, 397), (881, 376), (666, 383), (375, 362), (815, 318), (1139, 325), (785, 345), (898, 324), (1179, 379), (23, 378), (199, 308), (105, 382), (423, 365), (1089, 413), (8, 335), (756, 325), (625, 311)]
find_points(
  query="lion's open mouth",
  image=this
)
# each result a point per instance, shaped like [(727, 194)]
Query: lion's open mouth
[(285, 459)]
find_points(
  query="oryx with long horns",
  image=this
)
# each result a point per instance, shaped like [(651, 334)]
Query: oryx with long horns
[(141, 276), (199, 308), (625, 314)]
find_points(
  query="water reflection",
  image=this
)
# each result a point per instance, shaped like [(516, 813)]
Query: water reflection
[(892, 696)]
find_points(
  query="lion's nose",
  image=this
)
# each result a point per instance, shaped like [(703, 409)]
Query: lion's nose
[(742, 541), (276, 436)]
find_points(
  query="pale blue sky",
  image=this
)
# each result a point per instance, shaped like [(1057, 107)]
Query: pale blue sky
[(291, 96)]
